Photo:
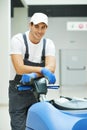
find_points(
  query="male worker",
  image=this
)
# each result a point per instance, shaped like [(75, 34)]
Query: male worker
[(32, 56)]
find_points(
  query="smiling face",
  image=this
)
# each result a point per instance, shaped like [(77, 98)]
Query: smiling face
[(37, 32)]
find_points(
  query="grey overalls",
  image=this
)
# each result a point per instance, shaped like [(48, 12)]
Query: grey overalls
[(19, 102)]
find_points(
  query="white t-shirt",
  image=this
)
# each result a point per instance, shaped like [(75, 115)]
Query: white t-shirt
[(35, 50)]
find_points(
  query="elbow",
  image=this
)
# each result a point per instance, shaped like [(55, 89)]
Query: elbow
[(52, 69), (19, 71)]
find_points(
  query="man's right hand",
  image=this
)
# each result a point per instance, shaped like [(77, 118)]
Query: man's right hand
[(49, 75), (26, 78)]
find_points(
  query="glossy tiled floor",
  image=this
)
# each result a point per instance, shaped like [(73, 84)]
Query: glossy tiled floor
[(4, 118), (4, 114)]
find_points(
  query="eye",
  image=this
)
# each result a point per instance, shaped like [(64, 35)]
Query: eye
[(36, 26), (43, 27)]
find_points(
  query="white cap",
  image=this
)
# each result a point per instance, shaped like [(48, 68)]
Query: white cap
[(39, 18)]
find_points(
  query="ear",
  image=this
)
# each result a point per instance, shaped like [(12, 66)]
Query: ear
[(30, 25)]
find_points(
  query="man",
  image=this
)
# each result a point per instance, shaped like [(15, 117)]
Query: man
[(32, 56)]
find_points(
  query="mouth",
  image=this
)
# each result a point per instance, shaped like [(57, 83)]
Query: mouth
[(39, 35)]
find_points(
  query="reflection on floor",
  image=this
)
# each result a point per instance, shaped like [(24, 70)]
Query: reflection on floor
[(74, 91), (4, 118)]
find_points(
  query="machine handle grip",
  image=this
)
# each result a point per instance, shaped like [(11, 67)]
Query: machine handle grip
[(53, 86)]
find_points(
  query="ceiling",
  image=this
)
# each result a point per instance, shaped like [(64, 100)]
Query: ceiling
[(63, 8), (16, 3), (54, 2)]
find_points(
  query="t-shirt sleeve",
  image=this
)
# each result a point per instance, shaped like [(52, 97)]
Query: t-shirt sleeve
[(50, 48), (16, 45)]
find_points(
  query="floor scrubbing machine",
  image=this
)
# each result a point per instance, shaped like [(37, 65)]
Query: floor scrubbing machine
[(55, 114)]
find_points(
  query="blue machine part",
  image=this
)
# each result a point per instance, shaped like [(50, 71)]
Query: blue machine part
[(44, 116)]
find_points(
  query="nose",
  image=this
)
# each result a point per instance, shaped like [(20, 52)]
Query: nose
[(39, 30)]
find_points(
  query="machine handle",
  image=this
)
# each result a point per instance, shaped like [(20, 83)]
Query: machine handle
[(53, 86), (22, 88)]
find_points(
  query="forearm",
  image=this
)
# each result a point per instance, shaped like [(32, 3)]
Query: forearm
[(51, 68), (32, 69), (21, 69), (50, 64), (25, 69)]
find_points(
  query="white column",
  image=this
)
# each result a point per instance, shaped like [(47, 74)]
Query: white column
[(4, 49)]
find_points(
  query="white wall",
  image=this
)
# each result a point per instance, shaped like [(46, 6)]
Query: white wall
[(19, 23), (64, 39), (4, 49)]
